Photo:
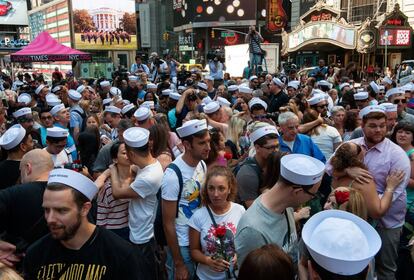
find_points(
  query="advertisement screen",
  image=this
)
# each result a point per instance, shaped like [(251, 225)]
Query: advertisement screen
[(328, 31), (186, 11), (104, 24), (395, 37), (13, 12)]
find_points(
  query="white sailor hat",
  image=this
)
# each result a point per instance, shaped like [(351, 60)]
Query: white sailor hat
[(142, 113), (341, 86), (254, 77), (56, 89), (136, 137), (315, 99), (263, 131), (381, 88), (132, 78), (209, 78), (301, 169), (223, 101), (80, 88), (206, 100), (22, 112), (56, 132), (166, 92), (74, 95), (407, 87), (387, 80), (151, 86), (75, 180), (362, 95), (202, 86), (112, 109), (389, 107), (105, 84), (293, 84), (325, 83), (106, 101), (394, 91), (232, 88), (211, 107), (245, 89), (24, 98), (12, 137), (114, 91), (340, 242), (52, 100), (182, 88), (257, 100), (191, 127), (127, 108), (374, 86), (278, 82), (174, 95), (39, 88), (56, 109), (149, 104), (371, 109)]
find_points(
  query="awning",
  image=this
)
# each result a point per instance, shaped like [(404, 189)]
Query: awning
[(45, 48)]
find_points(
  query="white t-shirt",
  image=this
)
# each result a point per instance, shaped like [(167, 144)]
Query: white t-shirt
[(193, 179), (142, 210), (202, 223), (328, 136), (61, 159)]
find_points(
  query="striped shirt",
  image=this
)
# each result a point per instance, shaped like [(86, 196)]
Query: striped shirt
[(254, 44), (112, 213)]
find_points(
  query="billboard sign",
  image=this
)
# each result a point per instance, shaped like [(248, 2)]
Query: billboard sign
[(13, 12), (186, 11), (104, 25), (323, 32), (395, 37)]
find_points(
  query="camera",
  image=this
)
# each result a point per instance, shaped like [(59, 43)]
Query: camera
[(75, 166)]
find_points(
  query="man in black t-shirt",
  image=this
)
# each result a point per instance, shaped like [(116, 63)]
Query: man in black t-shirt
[(16, 141), (21, 212), (75, 248)]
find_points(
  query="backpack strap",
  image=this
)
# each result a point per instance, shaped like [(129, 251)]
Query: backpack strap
[(177, 171)]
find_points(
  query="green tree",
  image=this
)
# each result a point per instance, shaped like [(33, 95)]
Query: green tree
[(82, 20), (129, 23)]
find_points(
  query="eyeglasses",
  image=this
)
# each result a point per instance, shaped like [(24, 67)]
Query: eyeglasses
[(46, 118), (305, 190), (397, 101), (25, 120), (322, 106)]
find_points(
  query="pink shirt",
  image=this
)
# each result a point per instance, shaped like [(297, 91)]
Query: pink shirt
[(381, 160)]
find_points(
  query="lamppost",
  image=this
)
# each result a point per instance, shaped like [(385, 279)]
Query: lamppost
[(386, 41)]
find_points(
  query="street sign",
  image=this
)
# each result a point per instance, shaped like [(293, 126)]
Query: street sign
[(185, 48), (227, 34)]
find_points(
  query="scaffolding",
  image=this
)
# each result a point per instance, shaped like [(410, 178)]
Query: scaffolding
[(359, 10)]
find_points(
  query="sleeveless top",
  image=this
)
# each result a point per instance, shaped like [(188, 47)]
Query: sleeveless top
[(410, 191)]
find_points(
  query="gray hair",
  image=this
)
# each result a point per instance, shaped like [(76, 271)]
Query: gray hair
[(285, 117), (336, 109), (124, 124)]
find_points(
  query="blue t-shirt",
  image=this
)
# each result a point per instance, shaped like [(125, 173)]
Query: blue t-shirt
[(70, 144), (303, 145)]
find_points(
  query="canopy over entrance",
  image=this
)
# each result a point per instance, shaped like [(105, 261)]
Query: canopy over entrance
[(45, 48)]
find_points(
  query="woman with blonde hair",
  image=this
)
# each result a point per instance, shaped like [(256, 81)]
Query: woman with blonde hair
[(237, 128), (7, 273)]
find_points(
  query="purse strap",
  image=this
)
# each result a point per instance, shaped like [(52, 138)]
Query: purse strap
[(211, 216)]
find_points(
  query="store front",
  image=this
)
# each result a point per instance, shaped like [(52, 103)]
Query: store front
[(394, 39)]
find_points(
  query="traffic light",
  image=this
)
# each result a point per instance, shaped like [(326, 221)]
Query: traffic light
[(213, 34), (165, 36)]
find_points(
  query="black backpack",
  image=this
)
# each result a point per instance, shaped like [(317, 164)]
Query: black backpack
[(158, 223), (252, 163)]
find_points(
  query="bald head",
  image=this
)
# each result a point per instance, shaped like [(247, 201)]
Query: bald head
[(35, 166)]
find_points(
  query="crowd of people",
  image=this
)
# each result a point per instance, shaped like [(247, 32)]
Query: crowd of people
[(206, 176)]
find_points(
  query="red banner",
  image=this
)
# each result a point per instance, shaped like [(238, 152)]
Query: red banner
[(276, 17)]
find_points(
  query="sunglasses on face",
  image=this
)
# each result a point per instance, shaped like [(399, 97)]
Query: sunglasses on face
[(305, 190), (397, 101), (322, 106), (25, 120), (46, 118)]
